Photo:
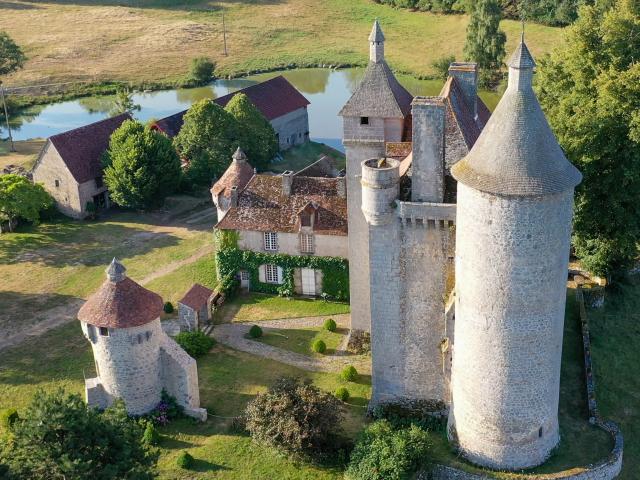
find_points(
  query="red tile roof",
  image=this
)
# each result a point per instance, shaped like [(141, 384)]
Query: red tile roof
[(81, 149), (197, 297), (263, 206), (237, 175), (274, 98), (122, 304)]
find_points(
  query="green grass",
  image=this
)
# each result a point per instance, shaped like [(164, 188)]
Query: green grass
[(297, 158), (300, 340), (255, 307)]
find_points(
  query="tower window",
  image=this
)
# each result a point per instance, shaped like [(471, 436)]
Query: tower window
[(57, 182), (540, 433), (364, 120), (104, 331)]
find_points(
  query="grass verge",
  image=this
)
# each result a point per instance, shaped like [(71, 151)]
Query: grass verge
[(256, 306), (300, 340)]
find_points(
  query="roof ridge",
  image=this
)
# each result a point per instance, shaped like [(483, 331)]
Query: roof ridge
[(92, 125)]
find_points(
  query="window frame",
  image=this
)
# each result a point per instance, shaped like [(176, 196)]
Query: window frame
[(270, 241), (307, 243), (271, 274), (102, 330), (364, 121)]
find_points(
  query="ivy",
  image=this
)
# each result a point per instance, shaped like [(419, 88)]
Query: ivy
[(230, 259)]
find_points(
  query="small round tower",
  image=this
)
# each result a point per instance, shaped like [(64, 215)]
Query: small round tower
[(380, 188), (122, 322), (224, 192), (515, 198)]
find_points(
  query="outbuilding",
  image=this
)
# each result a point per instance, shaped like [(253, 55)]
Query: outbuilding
[(194, 309)]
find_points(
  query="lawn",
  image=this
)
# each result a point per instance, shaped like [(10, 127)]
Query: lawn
[(297, 158), (300, 340), (154, 40), (255, 307), (25, 156)]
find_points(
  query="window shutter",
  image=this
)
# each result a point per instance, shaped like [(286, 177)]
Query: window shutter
[(261, 274), (280, 276)]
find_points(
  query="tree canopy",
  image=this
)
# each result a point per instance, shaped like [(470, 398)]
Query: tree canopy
[(19, 198), (59, 436), (123, 103), (257, 136), (485, 41), (11, 56), (590, 91), (207, 140), (141, 166)]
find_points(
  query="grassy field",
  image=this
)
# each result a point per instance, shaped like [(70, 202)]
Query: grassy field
[(255, 307), (297, 158), (154, 40), (299, 340), (25, 155)]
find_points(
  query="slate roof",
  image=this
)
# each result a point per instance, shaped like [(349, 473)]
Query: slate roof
[(517, 153), (379, 95), (81, 149), (121, 303), (274, 98), (237, 175), (262, 206), (376, 34), (197, 297)]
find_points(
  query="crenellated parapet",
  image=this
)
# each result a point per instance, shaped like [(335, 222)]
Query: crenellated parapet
[(427, 215)]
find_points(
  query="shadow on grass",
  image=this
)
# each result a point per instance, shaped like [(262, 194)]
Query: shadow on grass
[(200, 465), (172, 443)]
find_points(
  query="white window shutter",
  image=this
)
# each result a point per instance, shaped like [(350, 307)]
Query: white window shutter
[(261, 274), (280, 276)]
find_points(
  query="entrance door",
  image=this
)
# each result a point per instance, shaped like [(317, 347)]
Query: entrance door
[(244, 279), (308, 281)]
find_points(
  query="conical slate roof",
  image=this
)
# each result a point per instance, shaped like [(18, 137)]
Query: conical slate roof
[(517, 153)]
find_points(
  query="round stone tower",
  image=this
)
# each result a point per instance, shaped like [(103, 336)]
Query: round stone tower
[(380, 188), (515, 197), (122, 322)]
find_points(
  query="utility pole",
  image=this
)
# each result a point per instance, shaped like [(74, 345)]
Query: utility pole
[(6, 117), (224, 34)]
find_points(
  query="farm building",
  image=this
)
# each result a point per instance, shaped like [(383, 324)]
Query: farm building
[(194, 309)]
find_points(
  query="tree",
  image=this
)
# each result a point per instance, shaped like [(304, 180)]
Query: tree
[(141, 166), (201, 71), (485, 41), (59, 436), (123, 103), (257, 136), (11, 56), (207, 140), (19, 198), (590, 91)]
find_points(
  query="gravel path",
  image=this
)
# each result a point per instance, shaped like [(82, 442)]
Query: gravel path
[(233, 335)]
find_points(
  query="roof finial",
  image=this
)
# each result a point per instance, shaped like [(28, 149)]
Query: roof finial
[(116, 271), (239, 155)]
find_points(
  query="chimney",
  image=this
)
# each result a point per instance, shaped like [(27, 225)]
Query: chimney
[(466, 75), (341, 186), (287, 182), (427, 177), (234, 197)]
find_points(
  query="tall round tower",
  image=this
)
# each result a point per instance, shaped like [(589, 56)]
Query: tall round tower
[(122, 322), (515, 197)]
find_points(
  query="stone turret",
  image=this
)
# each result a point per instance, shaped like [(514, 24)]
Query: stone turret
[(224, 192), (515, 196), (376, 43)]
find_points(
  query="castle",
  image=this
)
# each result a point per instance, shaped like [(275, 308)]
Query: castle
[(459, 258), (135, 359)]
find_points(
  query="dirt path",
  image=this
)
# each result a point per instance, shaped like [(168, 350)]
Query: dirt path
[(233, 335)]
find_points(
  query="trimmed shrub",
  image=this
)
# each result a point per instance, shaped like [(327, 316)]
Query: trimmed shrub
[(201, 71), (255, 331), (342, 394), (295, 416), (168, 307), (195, 343), (319, 346), (184, 460), (384, 453), (8, 417), (330, 325), (349, 373), (150, 435)]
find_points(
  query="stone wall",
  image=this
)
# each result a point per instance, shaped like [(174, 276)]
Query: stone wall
[(292, 128), (289, 244), (187, 317)]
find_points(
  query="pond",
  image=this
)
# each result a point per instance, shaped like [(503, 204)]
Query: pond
[(327, 90)]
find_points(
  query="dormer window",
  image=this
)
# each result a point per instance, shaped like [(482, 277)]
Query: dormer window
[(364, 120), (305, 219)]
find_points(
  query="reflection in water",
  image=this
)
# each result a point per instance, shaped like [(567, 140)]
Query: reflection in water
[(327, 90)]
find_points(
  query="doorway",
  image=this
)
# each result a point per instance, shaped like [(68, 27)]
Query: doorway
[(308, 281)]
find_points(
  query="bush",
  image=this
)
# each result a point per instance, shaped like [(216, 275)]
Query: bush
[(342, 394), (296, 417), (384, 453), (8, 417), (195, 343), (349, 373), (184, 460), (255, 331), (441, 65), (319, 346), (201, 71), (330, 324), (168, 409), (168, 307), (150, 435)]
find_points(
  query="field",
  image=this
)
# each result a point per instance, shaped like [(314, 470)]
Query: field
[(154, 40), (25, 155)]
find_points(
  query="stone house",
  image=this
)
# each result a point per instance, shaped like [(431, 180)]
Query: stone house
[(70, 166), (194, 309), (280, 103), (288, 214), (134, 358)]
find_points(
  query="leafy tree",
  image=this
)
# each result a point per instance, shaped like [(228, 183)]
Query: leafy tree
[(195, 343), (257, 137), (485, 41), (201, 71), (590, 91), (19, 198), (141, 166), (207, 140), (59, 436), (11, 56), (123, 103)]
